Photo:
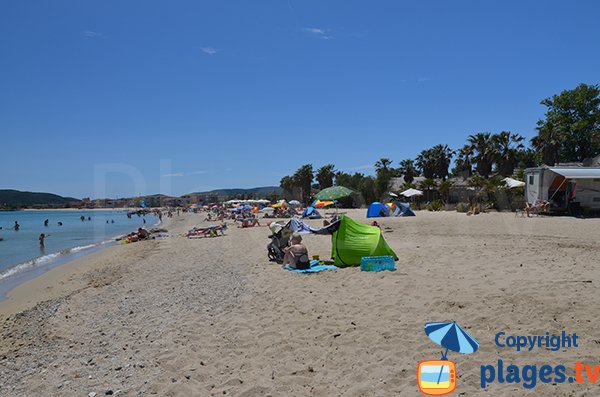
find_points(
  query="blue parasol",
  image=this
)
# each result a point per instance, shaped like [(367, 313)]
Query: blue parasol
[(452, 337)]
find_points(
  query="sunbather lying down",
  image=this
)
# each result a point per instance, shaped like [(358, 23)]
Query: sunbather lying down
[(251, 222), (296, 255), (210, 231)]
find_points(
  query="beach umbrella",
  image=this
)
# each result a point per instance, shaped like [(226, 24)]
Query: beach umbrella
[(452, 337), (267, 209), (393, 194), (334, 193), (411, 192), (513, 183), (279, 205), (321, 204), (295, 203)]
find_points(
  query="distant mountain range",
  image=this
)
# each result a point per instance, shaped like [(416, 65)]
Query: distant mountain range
[(12, 198), (258, 191)]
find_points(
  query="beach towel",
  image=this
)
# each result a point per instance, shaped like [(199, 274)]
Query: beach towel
[(315, 267)]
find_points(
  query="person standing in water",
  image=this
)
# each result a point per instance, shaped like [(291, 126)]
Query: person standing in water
[(16, 226), (46, 222), (42, 238)]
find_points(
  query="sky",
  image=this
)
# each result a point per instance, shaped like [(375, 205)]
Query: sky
[(122, 98)]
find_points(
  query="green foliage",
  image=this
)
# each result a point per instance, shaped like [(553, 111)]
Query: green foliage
[(435, 205), (384, 174), (408, 170), (365, 185), (13, 199), (462, 207), (434, 162), (325, 175), (303, 178), (571, 129)]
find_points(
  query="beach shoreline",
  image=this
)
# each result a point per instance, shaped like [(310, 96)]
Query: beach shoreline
[(212, 316)]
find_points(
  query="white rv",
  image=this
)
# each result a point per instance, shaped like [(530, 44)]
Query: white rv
[(566, 187)]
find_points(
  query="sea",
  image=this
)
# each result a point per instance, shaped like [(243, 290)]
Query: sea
[(22, 257)]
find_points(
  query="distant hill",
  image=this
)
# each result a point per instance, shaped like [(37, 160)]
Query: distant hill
[(257, 191), (16, 198)]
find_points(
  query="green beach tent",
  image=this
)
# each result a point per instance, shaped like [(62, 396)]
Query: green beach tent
[(353, 240)]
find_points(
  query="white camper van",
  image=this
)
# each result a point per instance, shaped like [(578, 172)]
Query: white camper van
[(567, 188)]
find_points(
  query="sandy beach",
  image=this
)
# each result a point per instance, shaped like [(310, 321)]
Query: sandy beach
[(179, 317)]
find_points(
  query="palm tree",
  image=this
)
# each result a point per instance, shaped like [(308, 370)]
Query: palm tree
[(464, 162), (303, 178), (507, 147), (287, 184), (483, 145), (325, 175), (444, 189), (425, 163), (383, 165), (384, 174), (408, 170), (548, 142), (442, 157)]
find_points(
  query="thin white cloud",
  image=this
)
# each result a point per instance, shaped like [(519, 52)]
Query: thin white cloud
[(209, 50), (323, 34), (89, 33), (180, 174)]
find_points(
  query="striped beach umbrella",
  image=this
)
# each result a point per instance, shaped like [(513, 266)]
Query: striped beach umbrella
[(452, 337)]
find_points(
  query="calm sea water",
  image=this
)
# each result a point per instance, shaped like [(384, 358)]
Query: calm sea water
[(20, 251)]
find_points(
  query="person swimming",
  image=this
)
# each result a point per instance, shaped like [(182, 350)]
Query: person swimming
[(46, 222), (16, 226), (59, 223)]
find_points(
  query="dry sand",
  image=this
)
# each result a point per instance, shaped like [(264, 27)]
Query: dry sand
[(179, 317)]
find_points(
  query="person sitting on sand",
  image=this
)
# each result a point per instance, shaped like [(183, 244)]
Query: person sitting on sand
[(250, 222), (143, 233), (296, 255)]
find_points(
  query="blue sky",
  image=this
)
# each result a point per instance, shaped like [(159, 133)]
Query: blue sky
[(194, 95)]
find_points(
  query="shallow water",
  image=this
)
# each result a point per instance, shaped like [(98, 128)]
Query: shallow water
[(20, 251)]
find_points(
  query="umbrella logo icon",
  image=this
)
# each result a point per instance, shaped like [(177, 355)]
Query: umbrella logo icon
[(438, 377)]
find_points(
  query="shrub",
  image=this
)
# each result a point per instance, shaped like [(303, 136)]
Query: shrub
[(462, 207), (436, 205)]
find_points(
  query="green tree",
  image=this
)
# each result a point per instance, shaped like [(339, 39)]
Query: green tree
[(463, 165), (444, 189), (384, 174), (287, 184), (484, 151), (408, 170), (574, 115), (426, 163), (303, 178), (434, 162), (548, 142), (325, 176), (507, 147)]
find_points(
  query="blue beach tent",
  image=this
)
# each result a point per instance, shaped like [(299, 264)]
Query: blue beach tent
[(403, 209), (311, 213), (377, 210)]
